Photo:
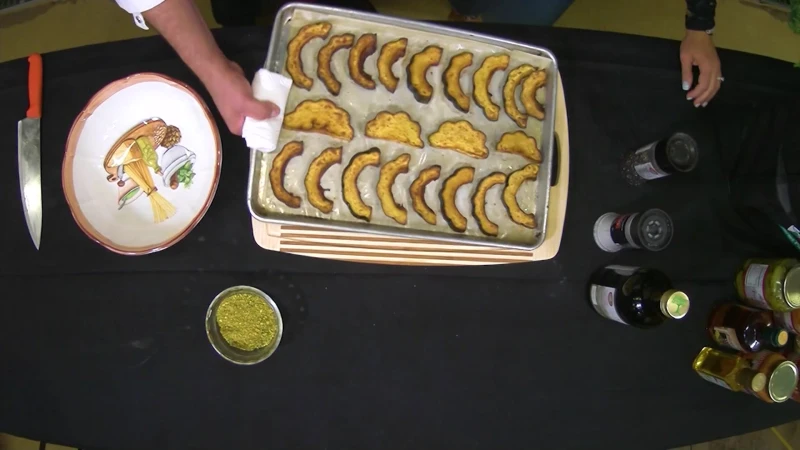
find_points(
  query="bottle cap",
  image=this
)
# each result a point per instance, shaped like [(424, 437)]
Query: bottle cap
[(682, 152), (782, 381), (758, 383), (791, 287), (780, 337), (674, 304)]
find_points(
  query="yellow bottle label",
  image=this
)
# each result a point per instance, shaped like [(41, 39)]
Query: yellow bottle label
[(715, 380), (727, 336)]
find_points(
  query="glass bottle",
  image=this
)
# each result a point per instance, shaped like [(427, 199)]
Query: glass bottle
[(745, 329), (770, 284), (789, 320), (781, 375), (794, 356), (643, 298), (728, 371)]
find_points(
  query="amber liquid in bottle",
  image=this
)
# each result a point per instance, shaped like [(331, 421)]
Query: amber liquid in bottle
[(746, 329), (728, 371)]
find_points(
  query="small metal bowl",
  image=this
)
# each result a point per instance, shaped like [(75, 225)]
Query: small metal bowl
[(226, 350)]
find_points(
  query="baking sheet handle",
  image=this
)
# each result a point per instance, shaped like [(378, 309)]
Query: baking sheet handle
[(555, 161)]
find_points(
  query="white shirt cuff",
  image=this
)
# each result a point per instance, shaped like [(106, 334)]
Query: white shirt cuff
[(137, 7)]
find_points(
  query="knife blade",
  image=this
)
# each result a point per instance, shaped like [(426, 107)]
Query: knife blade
[(29, 158)]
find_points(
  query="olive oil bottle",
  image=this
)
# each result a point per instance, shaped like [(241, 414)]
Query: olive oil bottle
[(772, 284), (643, 298), (746, 329), (728, 371)]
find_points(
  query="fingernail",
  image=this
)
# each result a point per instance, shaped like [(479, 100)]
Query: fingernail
[(705, 104), (274, 111), (688, 98), (685, 85)]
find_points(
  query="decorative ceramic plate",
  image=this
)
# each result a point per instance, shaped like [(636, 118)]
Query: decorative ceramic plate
[(142, 164)]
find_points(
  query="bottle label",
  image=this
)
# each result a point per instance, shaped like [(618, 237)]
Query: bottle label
[(757, 359), (621, 230), (727, 336), (648, 169), (754, 278), (787, 321), (715, 380), (625, 271), (603, 298)]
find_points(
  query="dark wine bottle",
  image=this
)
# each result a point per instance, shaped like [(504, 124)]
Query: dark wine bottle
[(745, 329), (643, 298)]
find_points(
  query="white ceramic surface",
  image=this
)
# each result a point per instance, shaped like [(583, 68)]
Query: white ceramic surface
[(94, 200)]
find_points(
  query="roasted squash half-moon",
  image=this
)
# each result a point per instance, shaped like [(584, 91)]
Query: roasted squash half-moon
[(515, 77), (313, 181), (388, 174), (294, 63), (480, 84), (417, 191), (361, 50), (479, 202), (452, 80), (515, 180), (447, 196), (417, 71), (529, 87), (390, 53), (278, 172), (350, 192), (324, 58)]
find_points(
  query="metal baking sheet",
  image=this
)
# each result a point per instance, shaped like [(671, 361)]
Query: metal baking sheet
[(364, 104)]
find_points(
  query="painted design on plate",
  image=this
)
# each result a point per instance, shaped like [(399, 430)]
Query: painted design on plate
[(148, 157)]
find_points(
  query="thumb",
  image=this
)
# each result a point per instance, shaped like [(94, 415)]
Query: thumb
[(259, 110), (686, 71)]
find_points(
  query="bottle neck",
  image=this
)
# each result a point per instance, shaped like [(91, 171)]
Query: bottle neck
[(773, 336)]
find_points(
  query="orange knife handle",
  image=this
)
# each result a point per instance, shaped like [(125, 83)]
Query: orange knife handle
[(35, 86)]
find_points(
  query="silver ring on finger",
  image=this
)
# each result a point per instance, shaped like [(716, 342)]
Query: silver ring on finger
[(721, 79)]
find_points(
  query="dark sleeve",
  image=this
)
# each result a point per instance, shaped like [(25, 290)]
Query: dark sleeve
[(700, 14)]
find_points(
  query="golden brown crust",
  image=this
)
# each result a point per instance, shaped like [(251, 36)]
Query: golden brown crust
[(324, 58), (350, 192), (417, 71), (397, 127), (515, 180), (320, 116), (447, 196), (519, 143), (388, 174), (529, 87), (515, 77), (452, 80), (488, 227), (278, 172), (363, 48), (417, 191), (294, 64), (462, 137), (317, 168), (480, 84), (390, 53)]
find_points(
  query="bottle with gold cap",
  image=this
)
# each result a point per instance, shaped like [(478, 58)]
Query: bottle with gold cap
[(745, 329), (794, 356), (770, 284), (789, 320), (728, 371), (781, 375), (643, 298)]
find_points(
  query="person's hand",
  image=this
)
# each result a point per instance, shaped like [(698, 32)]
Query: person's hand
[(697, 49), (234, 97)]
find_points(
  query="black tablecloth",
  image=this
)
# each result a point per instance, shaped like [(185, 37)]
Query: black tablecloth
[(105, 351)]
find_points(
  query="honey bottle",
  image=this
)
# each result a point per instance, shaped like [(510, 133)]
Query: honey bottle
[(781, 375)]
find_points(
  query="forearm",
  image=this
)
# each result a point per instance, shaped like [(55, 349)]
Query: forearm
[(700, 14), (183, 27)]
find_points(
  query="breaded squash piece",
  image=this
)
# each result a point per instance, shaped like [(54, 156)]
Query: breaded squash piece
[(519, 143), (397, 127), (529, 87), (462, 137), (320, 116)]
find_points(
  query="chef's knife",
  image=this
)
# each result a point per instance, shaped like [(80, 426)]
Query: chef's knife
[(29, 152)]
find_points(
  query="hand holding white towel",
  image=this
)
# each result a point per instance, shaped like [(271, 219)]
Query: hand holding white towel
[(263, 134)]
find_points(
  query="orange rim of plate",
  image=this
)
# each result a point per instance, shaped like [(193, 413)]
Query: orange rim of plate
[(67, 182)]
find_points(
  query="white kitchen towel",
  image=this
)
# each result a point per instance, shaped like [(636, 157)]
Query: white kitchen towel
[(263, 135)]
